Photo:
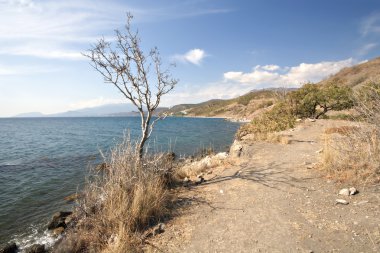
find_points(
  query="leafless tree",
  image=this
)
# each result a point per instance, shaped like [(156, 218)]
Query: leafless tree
[(124, 64)]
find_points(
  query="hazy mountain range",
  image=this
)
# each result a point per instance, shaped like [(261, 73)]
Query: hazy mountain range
[(111, 110)]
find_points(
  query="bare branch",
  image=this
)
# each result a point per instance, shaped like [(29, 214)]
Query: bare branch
[(125, 66)]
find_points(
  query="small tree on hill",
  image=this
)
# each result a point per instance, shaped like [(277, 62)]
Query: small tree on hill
[(313, 100), (125, 65)]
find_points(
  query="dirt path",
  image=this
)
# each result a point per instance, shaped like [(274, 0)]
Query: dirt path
[(272, 202)]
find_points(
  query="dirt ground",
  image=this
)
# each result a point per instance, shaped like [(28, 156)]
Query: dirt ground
[(274, 200)]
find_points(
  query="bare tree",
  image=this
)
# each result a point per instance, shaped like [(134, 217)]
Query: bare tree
[(124, 64)]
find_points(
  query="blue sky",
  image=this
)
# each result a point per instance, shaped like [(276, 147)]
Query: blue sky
[(221, 48)]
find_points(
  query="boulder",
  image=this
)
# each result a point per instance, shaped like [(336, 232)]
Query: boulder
[(221, 156), (36, 248), (58, 220), (58, 231), (9, 248), (353, 191), (199, 180), (341, 201), (344, 192), (236, 149)]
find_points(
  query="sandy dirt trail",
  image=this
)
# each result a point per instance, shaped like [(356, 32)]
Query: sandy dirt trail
[(273, 202)]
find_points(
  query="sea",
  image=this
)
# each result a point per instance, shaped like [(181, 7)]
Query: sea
[(43, 160)]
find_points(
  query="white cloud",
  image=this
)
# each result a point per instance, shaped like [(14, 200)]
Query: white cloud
[(267, 67), (371, 24), (95, 102), (11, 70), (194, 56), (274, 76)]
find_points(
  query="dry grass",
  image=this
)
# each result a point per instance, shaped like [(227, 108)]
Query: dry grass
[(343, 130), (120, 202), (352, 153), (277, 119)]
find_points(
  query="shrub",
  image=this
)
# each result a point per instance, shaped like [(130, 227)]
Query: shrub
[(279, 118), (353, 153), (314, 101), (120, 202)]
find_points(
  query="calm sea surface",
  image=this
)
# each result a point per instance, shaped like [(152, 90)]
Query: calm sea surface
[(42, 160)]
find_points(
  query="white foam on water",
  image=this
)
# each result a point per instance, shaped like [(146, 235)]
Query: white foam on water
[(36, 237)]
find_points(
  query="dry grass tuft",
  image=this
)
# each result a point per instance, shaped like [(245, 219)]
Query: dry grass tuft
[(277, 119), (353, 156), (352, 153), (343, 130), (120, 202)]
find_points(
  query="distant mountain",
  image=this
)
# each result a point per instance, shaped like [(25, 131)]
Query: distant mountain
[(99, 111), (110, 110), (30, 115)]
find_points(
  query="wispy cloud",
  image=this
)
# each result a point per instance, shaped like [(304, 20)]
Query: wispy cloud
[(366, 48), (10, 70), (61, 29), (194, 56), (371, 24), (95, 102)]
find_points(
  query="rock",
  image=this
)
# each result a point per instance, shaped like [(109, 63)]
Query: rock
[(9, 248), (199, 180), (319, 151), (58, 231), (36, 248), (221, 156), (341, 201), (68, 220), (186, 181), (160, 228), (71, 197), (58, 220), (353, 191), (312, 120), (344, 192), (236, 149), (298, 120)]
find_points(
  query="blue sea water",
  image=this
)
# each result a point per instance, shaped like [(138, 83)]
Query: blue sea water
[(42, 160)]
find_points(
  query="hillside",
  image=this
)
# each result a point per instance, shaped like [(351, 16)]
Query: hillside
[(249, 105), (357, 75), (245, 106)]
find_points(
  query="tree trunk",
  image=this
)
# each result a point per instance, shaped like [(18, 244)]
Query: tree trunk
[(322, 112)]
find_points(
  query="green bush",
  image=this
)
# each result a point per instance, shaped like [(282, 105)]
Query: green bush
[(314, 101), (279, 118)]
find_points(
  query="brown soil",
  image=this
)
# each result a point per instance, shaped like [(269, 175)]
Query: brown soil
[(274, 200)]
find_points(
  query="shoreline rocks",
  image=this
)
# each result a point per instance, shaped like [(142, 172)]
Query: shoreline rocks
[(9, 248), (58, 220)]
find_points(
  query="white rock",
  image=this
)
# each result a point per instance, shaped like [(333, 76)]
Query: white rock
[(236, 148), (353, 191), (344, 192), (221, 155), (341, 201), (319, 151)]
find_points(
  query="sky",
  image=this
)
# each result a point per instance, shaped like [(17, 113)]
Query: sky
[(221, 48)]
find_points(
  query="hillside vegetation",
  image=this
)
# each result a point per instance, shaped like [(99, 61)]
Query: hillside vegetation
[(245, 106), (357, 75)]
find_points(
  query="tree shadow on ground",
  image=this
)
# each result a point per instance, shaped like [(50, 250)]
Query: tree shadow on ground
[(273, 175)]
